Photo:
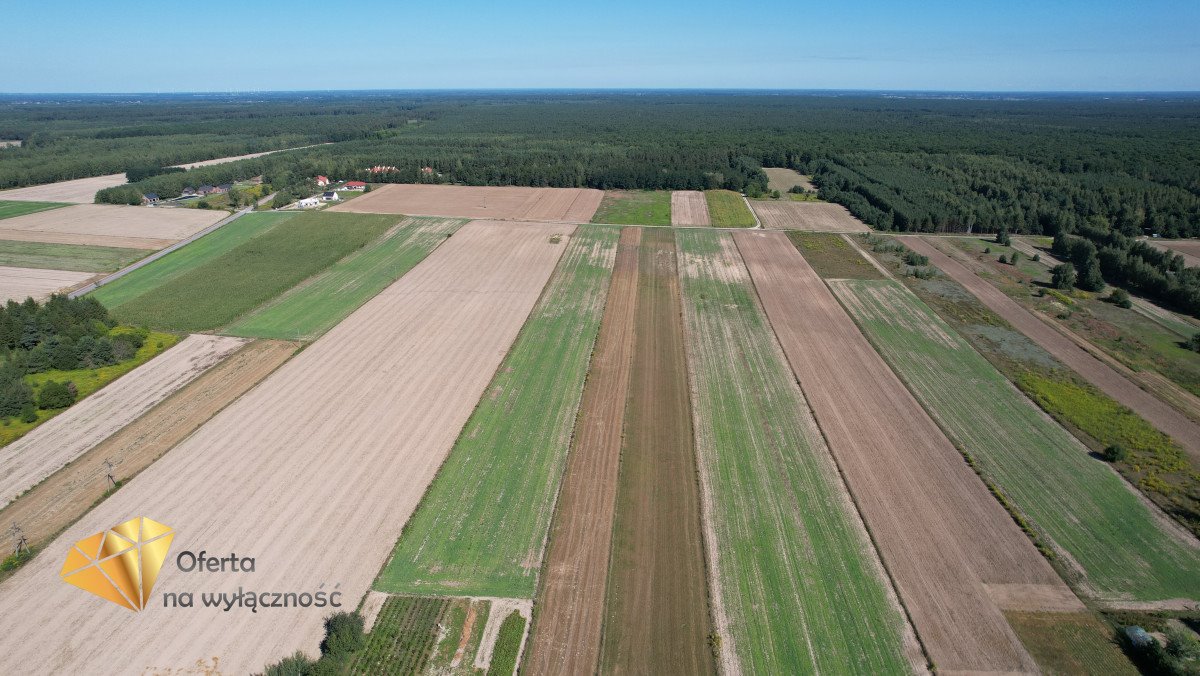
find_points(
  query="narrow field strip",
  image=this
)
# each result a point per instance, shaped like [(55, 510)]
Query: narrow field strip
[(65, 437), (925, 508), (482, 526), (727, 209), (689, 207), (17, 284), (565, 638), (313, 307), (656, 607), (203, 250), (402, 638), (1073, 498), (796, 577), (634, 207), (11, 209), (314, 471), (67, 256)]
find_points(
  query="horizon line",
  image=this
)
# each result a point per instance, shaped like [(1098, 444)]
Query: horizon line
[(796, 90)]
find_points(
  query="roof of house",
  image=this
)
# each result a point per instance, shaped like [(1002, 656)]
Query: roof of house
[(329, 193), (151, 195), (322, 178), (355, 184)]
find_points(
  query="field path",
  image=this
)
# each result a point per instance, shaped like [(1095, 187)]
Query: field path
[(689, 207), (1107, 380), (313, 473), (565, 638), (66, 436), (923, 505)]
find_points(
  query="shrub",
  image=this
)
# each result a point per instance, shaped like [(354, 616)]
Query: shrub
[(1120, 298), (28, 413), (295, 665), (1115, 453), (343, 634), (1002, 237), (56, 395), (1036, 257), (1002, 259), (915, 259), (1193, 343), (1063, 276), (987, 249), (1016, 256)]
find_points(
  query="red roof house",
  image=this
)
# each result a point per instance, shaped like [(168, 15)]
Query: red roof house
[(354, 185), (322, 180)]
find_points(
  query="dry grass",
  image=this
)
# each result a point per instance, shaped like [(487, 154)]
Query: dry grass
[(812, 216), (19, 283), (109, 225), (571, 205)]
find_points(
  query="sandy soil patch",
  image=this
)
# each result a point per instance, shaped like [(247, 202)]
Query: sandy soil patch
[(79, 191), (924, 506), (66, 436), (19, 283), (811, 216), (70, 492), (566, 638), (235, 158), (114, 222), (689, 207), (572, 205), (1034, 597), (784, 180), (313, 472), (371, 606), (1107, 380)]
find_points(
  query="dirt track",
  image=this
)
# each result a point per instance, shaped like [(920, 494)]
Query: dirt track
[(68, 435), (313, 472), (572, 205), (19, 283), (111, 225), (811, 216), (80, 190), (938, 530), (70, 492), (1156, 412), (656, 607), (570, 603), (689, 207)]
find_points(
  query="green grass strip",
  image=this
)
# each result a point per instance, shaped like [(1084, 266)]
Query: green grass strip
[(727, 209), (481, 527), (221, 290), (793, 569), (1071, 497), (507, 646), (635, 207), (314, 307), (11, 209), (207, 248), (67, 256)]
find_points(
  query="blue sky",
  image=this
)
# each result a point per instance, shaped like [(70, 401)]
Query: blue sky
[(120, 46)]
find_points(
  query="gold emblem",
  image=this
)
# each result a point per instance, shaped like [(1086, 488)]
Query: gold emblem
[(120, 564)]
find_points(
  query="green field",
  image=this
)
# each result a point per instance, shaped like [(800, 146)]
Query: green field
[(219, 291), (314, 307), (67, 256), (507, 646), (481, 526), (206, 249), (9, 209), (635, 207), (1070, 643), (832, 257), (1069, 496), (795, 580), (458, 615), (402, 638), (727, 209)]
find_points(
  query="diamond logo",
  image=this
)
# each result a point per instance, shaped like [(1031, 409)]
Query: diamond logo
[(120, 564)]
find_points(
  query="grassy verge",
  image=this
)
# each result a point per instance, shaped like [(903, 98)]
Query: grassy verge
[(198, 253), (11, 209), (67, 256), (507, 646), (480, 528), (314, 307), (1070, 643), (635, 207), (218, 291), (795, 578), (1036, 465), (832, 257), (727, 209)]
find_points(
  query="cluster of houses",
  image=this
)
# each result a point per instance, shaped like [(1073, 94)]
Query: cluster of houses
[(206, 190), (329, 195)]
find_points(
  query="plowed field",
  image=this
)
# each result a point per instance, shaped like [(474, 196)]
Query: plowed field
[(813, 216), (21, 283), (689, 207), (572, 205)]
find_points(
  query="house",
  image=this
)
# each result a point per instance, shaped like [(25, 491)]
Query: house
[(354, 185), (224, 188), (206, 190), (428, 171), (322, 181), (308, 202), (383, 169), (188, 192), (330, 196), (150, 198)]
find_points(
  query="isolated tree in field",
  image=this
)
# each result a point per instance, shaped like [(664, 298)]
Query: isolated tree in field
[(1193, 343), (1062, 276), (1120, 298), (1090, 278), (1115, 453), (1002, 237), (1016, 256)]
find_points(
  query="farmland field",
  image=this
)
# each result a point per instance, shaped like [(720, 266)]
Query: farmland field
[(832, 257), (17, 284), (109, 225), (402, 637), (481, 527), (66, 256), (1108, 533), (313, 307), (459, 642), (263, 466), (10, 209), (220, 290), (78, 191), (575, 205), (656, 607), (1071, 643), (634, 207), (689, 207), (180, 261), (784, 180), (727, 209), (812, 216), (799, 587)]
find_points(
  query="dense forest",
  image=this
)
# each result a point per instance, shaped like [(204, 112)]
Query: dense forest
[(1107, 169)]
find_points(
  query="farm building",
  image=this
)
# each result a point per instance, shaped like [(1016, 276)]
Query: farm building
[(354, 185)]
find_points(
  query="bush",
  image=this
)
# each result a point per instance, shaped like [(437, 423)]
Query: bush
[(1193, 343), (915, 259), (1115, 453), (56, 395), (1016, 256), (1036, 257), (987, 249), (1002, 237), (1120, 298), (296, 665), (28, 413), (343, 634), (1063, 276), (1002, 259)]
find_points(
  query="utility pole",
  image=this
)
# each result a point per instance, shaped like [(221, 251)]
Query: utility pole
[(109, 468), (18, 536)]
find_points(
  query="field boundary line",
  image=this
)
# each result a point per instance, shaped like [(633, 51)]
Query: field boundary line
[(757, 223)]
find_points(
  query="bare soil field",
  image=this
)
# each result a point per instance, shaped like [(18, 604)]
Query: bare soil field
[(656, 606), (689, 207), (144, 243), (110, 225), (812, 216), (571, 205), (784, 180), (313, 472), (1188, 248), (68, 435), (1156, 412), (19, 283), (923, 505), (565, 638), (78, 191), (68, 493)]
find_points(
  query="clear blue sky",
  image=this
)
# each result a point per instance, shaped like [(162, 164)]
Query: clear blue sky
[(121, 46)]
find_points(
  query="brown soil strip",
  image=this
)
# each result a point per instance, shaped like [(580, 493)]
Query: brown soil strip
[(572, 205), (689, 207), (112, 221), (570, 603), (813, 216), (67, 494), (656, 608), (1125, 392), (1034, 597), (148, 243), (926, 509)]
